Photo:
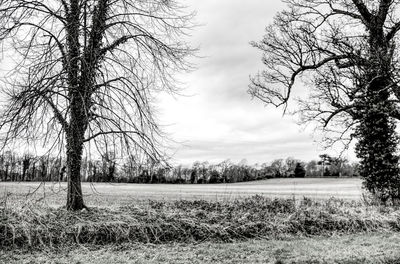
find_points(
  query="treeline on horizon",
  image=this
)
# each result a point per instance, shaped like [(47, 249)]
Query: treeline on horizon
[(14, 167)]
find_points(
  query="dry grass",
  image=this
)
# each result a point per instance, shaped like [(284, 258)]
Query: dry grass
[(186, 221), (164, 224), (369, 248)]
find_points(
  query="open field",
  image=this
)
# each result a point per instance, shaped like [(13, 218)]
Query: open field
[(110, 194)]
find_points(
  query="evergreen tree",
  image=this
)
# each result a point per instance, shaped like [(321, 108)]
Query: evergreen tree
[(299, 171)]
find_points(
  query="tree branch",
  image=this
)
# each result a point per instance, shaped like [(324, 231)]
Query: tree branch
[(364, 12)]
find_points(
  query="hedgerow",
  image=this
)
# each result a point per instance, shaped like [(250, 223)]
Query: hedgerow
[(192, 221)]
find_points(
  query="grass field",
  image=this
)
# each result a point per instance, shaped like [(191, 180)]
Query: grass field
[(381, 248), (110, 194), (225, 223)]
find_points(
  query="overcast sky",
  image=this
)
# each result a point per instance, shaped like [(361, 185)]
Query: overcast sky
[(217, 119)]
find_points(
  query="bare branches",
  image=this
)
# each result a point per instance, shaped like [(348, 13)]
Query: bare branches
[(294, 48), (93, 64), (341, 57), (363, 10), (316, 40), (392, 32)]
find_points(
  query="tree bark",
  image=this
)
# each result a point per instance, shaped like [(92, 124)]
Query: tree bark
[(74, 160), (75, 140), (378, 140), (76, 128)]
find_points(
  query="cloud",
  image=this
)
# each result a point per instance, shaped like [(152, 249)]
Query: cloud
[(255, 151), (219, 120)]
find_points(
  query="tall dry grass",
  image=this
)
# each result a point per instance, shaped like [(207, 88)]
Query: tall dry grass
[(192, 221)]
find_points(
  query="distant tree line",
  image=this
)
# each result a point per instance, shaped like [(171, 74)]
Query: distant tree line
[(108, 168)]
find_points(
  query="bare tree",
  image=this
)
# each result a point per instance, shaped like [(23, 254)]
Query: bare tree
[(87, 71), (346, 52)]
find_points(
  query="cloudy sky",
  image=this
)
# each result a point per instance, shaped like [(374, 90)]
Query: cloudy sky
[(217, 119)]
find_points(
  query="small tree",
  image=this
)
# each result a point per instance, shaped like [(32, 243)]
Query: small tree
[(290, 165), (337, 164), (325, 160), (278, 167), (312, 169), (299, 171)]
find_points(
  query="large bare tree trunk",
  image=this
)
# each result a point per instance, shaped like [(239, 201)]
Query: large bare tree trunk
[(75, 140), (74, 197), (74, 161), (76, 129)]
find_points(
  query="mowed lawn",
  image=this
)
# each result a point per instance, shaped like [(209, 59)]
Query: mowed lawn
[(114, 194)]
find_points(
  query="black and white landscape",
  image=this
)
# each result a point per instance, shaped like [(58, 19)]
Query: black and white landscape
[(171, 131)]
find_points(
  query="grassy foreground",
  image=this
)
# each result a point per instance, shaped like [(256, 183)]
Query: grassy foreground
[(256, 229), (364, 248)]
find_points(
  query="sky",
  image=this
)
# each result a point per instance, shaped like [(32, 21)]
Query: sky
[(217, 119)]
